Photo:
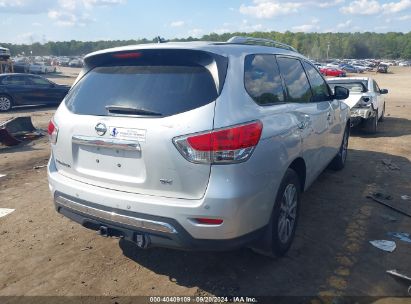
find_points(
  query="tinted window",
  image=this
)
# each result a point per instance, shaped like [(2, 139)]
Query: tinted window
[(14, 80), (262, 79), (295, 79), (166, 90), (319, 87), (39, 81)]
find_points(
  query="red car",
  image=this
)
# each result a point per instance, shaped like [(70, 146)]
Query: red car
[(327, 71)]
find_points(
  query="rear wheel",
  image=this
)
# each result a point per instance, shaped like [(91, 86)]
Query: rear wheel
[(338, 163), (5, 103), (371, 124), (285, 213)]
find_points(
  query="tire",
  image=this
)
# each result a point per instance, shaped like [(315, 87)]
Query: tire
[(338, 163), (6, 103), (371, 124), (382, 114), (275, 242), (286, 211)]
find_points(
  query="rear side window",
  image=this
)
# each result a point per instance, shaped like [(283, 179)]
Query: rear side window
[(14, 80), (262, 79), (157, 85), (298, 87), (318, 85), (39, 81)]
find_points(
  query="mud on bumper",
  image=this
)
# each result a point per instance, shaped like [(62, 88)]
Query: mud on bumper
[(143, 229)]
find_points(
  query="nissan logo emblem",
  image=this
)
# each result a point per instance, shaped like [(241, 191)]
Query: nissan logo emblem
[(101, 129)]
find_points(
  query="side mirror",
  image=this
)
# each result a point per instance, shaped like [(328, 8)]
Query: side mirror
[(341, 93), (383, 91)]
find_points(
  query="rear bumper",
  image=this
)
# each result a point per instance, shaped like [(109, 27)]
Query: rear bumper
[(143, 229), (243, 202)]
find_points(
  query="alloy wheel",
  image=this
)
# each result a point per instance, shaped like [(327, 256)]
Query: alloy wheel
[(5, 103), (288, 213)]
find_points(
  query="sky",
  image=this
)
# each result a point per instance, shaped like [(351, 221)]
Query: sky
[(27, 21)]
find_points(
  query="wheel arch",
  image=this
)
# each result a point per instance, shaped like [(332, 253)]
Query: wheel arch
[(298, 165), (7, 95)]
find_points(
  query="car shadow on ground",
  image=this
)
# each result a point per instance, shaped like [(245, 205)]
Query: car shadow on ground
[(330, 254), (390, 127)]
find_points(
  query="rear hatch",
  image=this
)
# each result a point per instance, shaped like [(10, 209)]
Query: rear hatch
[(118, 121)]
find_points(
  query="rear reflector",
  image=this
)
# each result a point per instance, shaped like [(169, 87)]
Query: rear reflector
[(228, 145), (127, 55), (209, 221), (53, 131)]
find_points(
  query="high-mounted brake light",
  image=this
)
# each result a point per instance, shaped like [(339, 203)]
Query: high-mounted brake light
[(229, 145), (127, 55), (53, 131)]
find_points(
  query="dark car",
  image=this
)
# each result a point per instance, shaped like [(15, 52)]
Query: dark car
[(21, 67), (349, 68), (382, 68), (26, 89)]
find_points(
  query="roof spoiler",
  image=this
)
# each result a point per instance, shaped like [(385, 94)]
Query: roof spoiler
[(260, 41)]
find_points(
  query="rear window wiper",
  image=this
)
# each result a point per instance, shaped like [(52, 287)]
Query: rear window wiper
[(130, 110)]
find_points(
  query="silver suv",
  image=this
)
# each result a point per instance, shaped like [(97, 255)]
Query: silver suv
[(200, 145)]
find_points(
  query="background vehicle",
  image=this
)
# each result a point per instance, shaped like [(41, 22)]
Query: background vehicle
[(366, 101), (350, 68), (229, 139), (25, 89), (41, 68), (382, 68), (21, 66), (327, 71), (76, 63), (4, 53)]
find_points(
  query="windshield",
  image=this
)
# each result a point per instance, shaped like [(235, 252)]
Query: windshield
[(354, 87)]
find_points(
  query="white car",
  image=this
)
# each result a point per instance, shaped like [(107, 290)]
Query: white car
[(41, 67), (366, 101), (195, 145)]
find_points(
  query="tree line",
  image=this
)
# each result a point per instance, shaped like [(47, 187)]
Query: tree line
[(391, 45)]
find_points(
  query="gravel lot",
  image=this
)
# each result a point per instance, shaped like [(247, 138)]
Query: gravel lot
[(43, 253)]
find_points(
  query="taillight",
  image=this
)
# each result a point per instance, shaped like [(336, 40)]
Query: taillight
[(53, 131), (229, 145)]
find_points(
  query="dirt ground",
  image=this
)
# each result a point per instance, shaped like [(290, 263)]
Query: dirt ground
[(43, 253)]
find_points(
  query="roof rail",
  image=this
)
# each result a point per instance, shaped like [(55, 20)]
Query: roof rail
[(260, 41)]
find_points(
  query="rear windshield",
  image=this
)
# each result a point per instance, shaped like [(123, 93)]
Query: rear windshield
[(354, 87), (161, 89)]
